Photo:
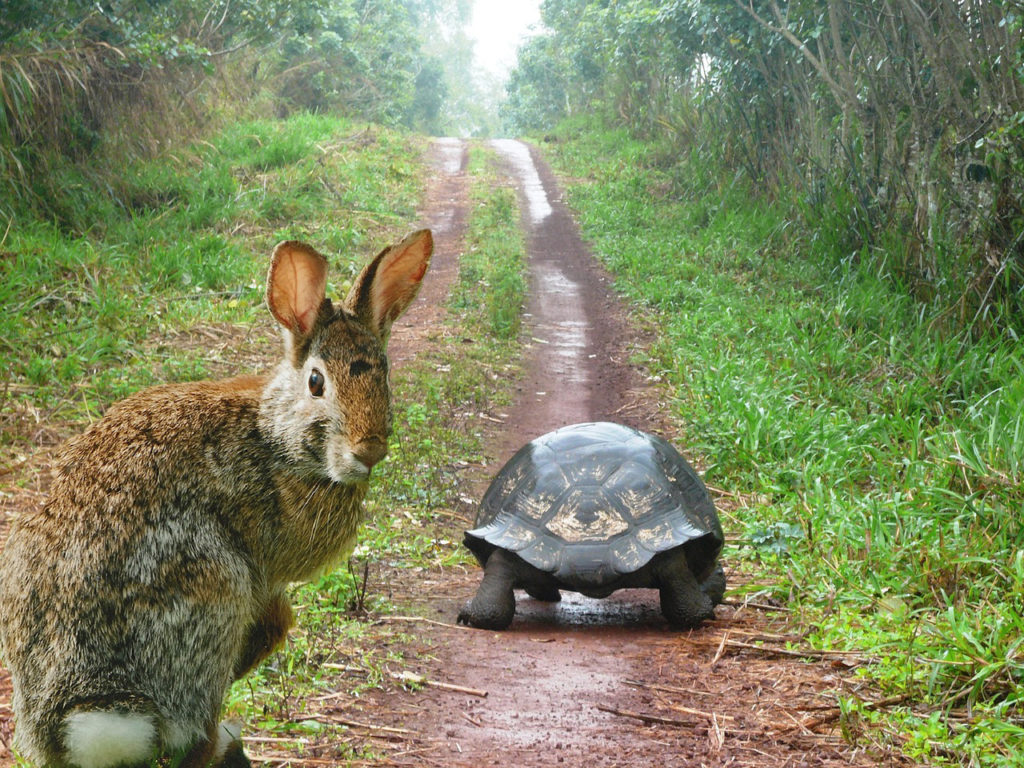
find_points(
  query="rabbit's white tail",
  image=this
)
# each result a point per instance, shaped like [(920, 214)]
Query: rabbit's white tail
[(103, 739)]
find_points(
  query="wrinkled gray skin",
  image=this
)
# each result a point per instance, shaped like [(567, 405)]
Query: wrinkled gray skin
[(686, 601)]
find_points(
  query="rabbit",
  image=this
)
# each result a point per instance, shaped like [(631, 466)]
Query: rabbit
[(155, 574)]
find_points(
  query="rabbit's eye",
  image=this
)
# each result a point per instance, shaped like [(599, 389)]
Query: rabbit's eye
[(316, 383)]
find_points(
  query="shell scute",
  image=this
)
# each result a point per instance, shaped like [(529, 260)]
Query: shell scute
[(586, 514)]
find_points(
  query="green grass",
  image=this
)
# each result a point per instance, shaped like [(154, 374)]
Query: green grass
[(177, 242), (880, 459), (106, 299), (492, 268)]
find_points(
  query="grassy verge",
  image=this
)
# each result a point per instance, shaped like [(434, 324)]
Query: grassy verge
[(184, 241), (171, 287), (879, 462)]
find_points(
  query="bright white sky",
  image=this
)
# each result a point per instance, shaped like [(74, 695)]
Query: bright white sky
[(498, 27)]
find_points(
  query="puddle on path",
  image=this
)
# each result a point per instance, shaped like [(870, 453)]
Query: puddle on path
[(450, 156), (562, 325), (518, 154), (558, 318), (444, 213)]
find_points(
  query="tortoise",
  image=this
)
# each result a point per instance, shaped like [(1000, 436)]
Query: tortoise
[(593, 508)]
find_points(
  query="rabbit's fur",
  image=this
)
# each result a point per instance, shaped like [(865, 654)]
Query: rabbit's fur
[(155, 574)]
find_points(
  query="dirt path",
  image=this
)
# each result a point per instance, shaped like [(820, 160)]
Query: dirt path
[(587, 682)]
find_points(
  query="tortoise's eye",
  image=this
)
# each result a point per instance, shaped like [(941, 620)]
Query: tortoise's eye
[(316, 383)]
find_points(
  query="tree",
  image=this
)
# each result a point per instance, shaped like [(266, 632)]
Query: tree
[(892, 115)]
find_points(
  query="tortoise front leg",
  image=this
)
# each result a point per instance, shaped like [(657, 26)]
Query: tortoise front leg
[(714, 585), (683, 602), (494, 604)]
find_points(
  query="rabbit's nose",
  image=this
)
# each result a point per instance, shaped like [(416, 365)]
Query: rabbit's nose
[(370, 451)]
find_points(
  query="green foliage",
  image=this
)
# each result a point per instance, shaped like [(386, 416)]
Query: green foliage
[(360, 59), (180, 241), (86, 87), (156, 31), (878, 458), (537, 89), (873, 121)]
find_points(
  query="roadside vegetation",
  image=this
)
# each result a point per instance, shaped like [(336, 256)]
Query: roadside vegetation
[(876, 459), (86, 87), (895, 129), (91, 313)]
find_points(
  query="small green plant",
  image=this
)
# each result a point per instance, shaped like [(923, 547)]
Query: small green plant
[(777, 539)]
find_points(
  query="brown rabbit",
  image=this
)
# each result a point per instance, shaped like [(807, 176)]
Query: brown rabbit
[(155, 574)]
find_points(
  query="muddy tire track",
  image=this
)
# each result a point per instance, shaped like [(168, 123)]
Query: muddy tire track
[(444, 213)]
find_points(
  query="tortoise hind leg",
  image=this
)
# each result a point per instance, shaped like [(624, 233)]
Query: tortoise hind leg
[(546, 593), (494, 604), (683, 602)]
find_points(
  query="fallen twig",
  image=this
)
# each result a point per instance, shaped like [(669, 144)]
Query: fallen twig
[(721, 648), (291, 760), (768, 636), (866, 705), (758, 606), (477, 723), (335, 720), (802, 653), (412, 677), (669, 688), (700, 713), (715, 735), (409, 677), (421, 620), (652, 719)]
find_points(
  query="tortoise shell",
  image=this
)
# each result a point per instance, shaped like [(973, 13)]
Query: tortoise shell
[(589, 503)]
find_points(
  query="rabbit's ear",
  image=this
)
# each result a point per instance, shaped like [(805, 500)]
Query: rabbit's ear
[(388, 284), (296, 285)]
